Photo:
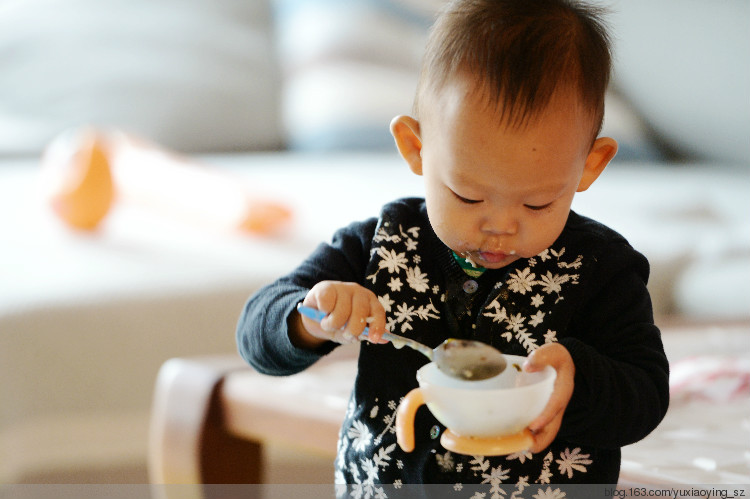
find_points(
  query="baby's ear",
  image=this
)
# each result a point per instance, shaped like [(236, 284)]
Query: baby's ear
[(405, 131), (601, 153)]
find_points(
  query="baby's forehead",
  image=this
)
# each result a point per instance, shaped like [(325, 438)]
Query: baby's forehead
[(468, 93)]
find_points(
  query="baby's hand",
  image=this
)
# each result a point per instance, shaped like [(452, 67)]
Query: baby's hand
[(350, 308), (547, 424)]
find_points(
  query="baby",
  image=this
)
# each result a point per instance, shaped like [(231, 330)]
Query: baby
[(505, 132)]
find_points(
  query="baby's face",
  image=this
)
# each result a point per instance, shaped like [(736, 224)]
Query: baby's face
[(496, 193)]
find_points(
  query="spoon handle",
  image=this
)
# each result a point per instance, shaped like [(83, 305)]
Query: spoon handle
[(311, 313), (401, 341), (398, 341)]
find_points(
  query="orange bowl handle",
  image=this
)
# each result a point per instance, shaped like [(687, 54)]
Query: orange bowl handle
[(407, 410)]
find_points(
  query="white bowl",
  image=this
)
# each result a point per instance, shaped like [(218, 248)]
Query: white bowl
[(495, 407)]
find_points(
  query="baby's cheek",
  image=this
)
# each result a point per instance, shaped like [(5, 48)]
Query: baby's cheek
[(531, 248), (545, 233)]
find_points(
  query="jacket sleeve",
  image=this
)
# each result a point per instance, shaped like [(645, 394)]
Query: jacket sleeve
[(622, 374), (262, 330)]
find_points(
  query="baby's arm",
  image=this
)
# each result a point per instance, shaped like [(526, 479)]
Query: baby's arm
[(621, 388), (612, 374), (269, 329)]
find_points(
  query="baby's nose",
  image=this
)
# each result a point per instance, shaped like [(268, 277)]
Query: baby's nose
[(500, 223)]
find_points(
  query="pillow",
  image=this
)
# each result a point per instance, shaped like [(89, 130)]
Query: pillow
[(192, 75), (349, 67), (715, 287), (685, 67), (635, 140)]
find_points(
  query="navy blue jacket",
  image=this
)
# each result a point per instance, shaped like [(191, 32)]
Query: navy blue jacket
[(587, 292)]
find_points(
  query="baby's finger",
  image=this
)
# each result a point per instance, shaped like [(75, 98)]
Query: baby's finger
[(376, 321), (318, 298), (336, 320), (557, 356), (542, 357), (544, 436), (360, 310), (323, 296), (554, 407)]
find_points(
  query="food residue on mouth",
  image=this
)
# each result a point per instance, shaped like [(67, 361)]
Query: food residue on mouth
[(467, 256)]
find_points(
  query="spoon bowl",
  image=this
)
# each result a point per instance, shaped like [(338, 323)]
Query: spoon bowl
[(468, 359), (462, 359)]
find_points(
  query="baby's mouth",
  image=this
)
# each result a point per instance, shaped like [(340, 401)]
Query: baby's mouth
[(493, 256), (479, 257)]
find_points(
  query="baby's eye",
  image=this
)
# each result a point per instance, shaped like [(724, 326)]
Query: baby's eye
[(466, 200), (538, 207)]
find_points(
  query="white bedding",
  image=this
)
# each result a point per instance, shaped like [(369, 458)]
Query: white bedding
[(680, 216), (705, 437)]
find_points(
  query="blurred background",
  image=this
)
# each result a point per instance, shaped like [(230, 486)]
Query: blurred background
[(290, 96), (234, 75)]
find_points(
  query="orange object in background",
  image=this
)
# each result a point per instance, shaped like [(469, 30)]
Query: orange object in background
[(79, 181), (84, 169), (264, 218)]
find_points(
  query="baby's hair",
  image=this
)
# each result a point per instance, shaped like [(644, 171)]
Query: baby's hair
[(521, 51)]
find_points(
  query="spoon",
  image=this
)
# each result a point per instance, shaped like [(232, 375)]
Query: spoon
[(463, 359)]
